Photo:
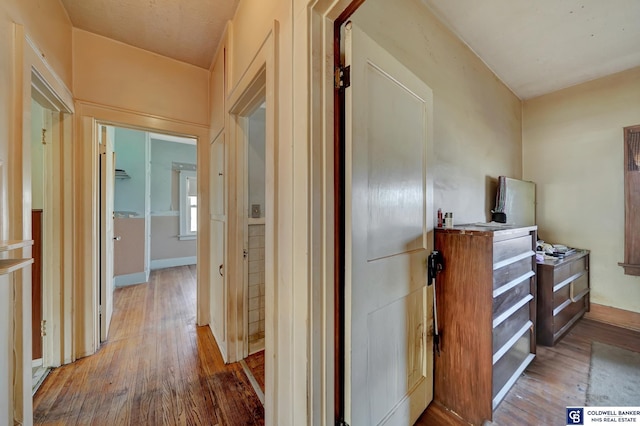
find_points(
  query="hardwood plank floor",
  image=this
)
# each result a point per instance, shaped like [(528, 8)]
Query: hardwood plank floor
[(255, 362), (557, 378), (157, 367)]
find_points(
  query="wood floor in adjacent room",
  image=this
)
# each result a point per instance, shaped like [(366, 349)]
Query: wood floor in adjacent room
[(557, 378), (157, 367)]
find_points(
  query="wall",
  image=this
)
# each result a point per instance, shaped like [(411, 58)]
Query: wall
[(477, 119), (257, 27), (165, 202), (129, 146), (37, 156), (47, 24), (573, 150), (256, 288), (129, 206), (255, 161), (115, 74)]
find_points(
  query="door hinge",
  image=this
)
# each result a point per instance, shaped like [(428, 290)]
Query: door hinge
[(43, 328), (342, 77), (99, 309), (245, 253)]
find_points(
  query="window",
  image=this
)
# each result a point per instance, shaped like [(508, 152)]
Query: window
[(188, 205), (631, 262)]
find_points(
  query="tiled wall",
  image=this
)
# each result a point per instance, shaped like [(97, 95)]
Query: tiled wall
[(256, 288)]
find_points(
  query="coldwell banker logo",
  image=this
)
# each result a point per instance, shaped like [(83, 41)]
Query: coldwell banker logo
[(575, 416)]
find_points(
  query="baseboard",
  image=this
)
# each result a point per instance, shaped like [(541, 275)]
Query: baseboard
[(221, 345), (131, 279), (170, 263), (614, 316)]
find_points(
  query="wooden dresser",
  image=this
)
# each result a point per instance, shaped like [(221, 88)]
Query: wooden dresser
[(563, 295), (486, 316)]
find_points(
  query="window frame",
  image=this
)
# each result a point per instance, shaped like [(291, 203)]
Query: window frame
[(185, 206)]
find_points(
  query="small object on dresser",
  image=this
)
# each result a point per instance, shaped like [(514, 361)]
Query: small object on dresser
[(448, 220)]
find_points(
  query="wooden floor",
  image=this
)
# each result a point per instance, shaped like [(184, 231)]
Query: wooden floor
[(157, 367), (557, 378), (255, 362)]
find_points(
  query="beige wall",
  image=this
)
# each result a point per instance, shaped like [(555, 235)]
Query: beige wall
[(47, 24), (573, 150), (477, 119), (164, 239), (128, 252), (37, 156), (287, 365), (115, 74)]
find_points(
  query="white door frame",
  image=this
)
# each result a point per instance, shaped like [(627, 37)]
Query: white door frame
[(106, 194), (313, 83), (89, 116), (254, 93), (257, 83), (32, 72)]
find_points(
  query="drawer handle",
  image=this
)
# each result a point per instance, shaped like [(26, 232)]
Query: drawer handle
[(574, 298)]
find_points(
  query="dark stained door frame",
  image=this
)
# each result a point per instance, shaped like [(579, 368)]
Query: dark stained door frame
[(339, 213)]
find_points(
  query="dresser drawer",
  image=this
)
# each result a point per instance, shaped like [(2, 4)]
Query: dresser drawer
[(512, 271), (568, 270), (506, 300), (510, 327), (505, 368), (571, 291), (567, 313), (507, 249)]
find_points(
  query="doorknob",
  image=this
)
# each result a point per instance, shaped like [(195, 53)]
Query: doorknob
[(117, 238), (220, 271)]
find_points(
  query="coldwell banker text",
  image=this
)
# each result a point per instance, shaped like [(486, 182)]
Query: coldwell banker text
[(599, 415)]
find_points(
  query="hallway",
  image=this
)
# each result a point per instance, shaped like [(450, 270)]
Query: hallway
[(157, 367)]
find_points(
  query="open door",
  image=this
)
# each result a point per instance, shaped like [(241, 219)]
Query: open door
[(218, 229), (388, 307), (107, 183)]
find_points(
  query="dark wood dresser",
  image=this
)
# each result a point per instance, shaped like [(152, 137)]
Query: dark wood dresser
[(563, 295), (486, 315)]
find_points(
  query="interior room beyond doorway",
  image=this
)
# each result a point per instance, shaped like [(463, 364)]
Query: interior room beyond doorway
[(155, 203)]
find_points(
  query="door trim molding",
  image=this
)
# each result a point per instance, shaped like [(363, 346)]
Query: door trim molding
[(258, 82), (32, 71), (88, 115)]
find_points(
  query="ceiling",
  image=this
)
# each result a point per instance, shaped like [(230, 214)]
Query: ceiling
[(538, 47), (186, 30), (534, 47)]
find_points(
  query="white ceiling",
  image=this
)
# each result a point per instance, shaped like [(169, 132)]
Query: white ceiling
[(540, 46), (533, 46), (186, 30)]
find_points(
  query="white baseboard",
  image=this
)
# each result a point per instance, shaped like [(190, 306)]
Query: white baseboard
[(170, 263), (131, 279), (221, 344)]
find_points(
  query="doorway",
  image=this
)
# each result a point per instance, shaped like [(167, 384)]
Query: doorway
[(49, 140), (254, 246), (385, 357), (153, 206)]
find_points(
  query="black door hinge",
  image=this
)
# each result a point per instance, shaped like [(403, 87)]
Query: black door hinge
[(342, 77)]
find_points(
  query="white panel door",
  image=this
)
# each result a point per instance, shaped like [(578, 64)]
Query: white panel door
[(388, 331), (218, 238), (107, 184)]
